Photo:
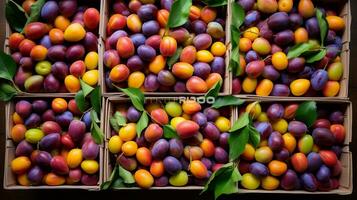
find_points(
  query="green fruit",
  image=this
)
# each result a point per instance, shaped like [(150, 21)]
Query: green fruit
[(335, 71), (43, 68), (179, 179), (305, 144), (34, 135), (173, 109)]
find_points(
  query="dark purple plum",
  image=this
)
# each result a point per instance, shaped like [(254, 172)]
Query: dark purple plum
[(284, 38), (306, 72), (275, 111), (278, 21), (252, 18), (180, 87), (75, 52), (312, 27), (162, 181), (247, 4), (296, 65), (314, 161), (133, 115), (135, 63), (211, 131), (51, 84), (57, 53), (251, 56), (218, 66), (68, 7), (289, 180), (33, 121), (323, 174), (258, 169), (151, 83), (150, 28), (264, 128), (201, 69), (172, 165), (39, 106), (175, 147), (46, 41), (319, 79), (24, 148), (146, 52), (35, 175), (200, 119), (49, 11), (90, 150), (147, 12), (199, 27), (323, 137), (138, 39), (160, 149), (337, 117), (275, 141), (211, 113), (50, 142), (282, 155), (270, 73), (220, 155), (280, 90), (295, 20), (309, 182), (223, 140), (23, 108), (43, 159), (297, 128), (64, 119), (59, 70), (90, 42)]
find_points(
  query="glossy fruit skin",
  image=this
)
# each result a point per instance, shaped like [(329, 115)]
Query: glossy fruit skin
[(323, 137), (187, 129), (172, 165), (275, 141), (160, 149), (175, 147), (179, 179), (59, 165), (125, 47), (297, 128), (258, 169), (90, 150), (314, 161), (299, 87), (198, 169), (277, 168), (50, 141), (249, 181), (328, 157), (168, 46), (143, 178), (53, 179), (211, 131), (289, 180), (182, 70), (309, 182), (299, 162)]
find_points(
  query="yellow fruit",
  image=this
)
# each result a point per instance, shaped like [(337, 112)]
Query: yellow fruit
[(136, 79), (280, 125), (74, 33), (115, 144), (90, 166), (91, 60), (251, 33), (129, 148), (299, 87), (249, 85), (218, 49), (176, 120), (204, 56), (280, 60), (91, 77), (250, 182), (223, 124), (74, 158), (128, 132)]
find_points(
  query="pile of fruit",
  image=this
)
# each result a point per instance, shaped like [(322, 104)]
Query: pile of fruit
[(52, 146), (283, 52), (53, 53), (291, 155), (157, 159), (141, 53)]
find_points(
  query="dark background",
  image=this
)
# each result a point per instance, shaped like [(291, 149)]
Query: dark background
[(162, 194)]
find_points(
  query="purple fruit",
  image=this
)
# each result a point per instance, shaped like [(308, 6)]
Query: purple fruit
[(275, 111), (200, 119), (180, 87), (75, 175), (59, 70), (270, 73), (251, 56), (323, 137), (218, 66), (23, 108), (133, 115), (43, 159), (275, 141), (175, 147), (90, 42), (337, 150), (282, 155), (211, 131), (39, 106), (75, 52), (319, 79), (323, 174), (312, 27), (35, 175), (46, 41), (90, 150), (33, 121), (207, 162), (64, 119), (296, 65), (332, 51), (201, 70), (247, 4), (211, 113), (89, 180), (127, 163), (49, 11), (50, 142), (286, 78), (51, 84), (151, 83), (306, 72), (278, 21), (223, 140), (314, 161), (48, 115), (252, 18), (297, 128), (331, 36), (290, 180), (26, 63), (337, 117), (166, 78), (23, 149), (202, 41), (160, 149), (199, 27), (87, 120), (135, 63), (147, 12), (280, 90), (57, 53), (264, 128), (161, 181), (166, 4), (112, 40), (172, 165), (76, 130), (258, 169), (309, 182), (138, 39), (295, 20), (284, 38), (150, 28), (146, 52), (220, 155), (67, 7), (265, 31)]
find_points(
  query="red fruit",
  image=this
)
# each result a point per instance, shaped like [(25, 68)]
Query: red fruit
[(299, 162), (67, 141), (26, 46), (328, 157), (91, 18), (14, 40), (72, 106), (160, 116), (187, 129), (51, 127), (116, 22), (339, 132), (168, 46), (59, 165), (35, 30), (125, 47), (77, 68)]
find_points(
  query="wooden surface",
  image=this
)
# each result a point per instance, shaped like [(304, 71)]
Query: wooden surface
[(182, 195)]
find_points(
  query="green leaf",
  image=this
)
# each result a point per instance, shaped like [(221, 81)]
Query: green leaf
[(173, 59), (126, 176), (307, 113), (214, 91), (15, 16), (113, 176), (7, 91), (136, 96), (227, 101), (236, 176), (120, 119), (96, 99), (81, 102), (87, 89), (238, 16), (210, 184), (118, 184), (299, 49), (215, 3), (254, 135), (225, 185), (242, 122), (142, 123), (113, 124), (317, 57), (7, 66), (96, 132), (170, 132), (323, 25), (237, 141), (35, 11), (179, 13)]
